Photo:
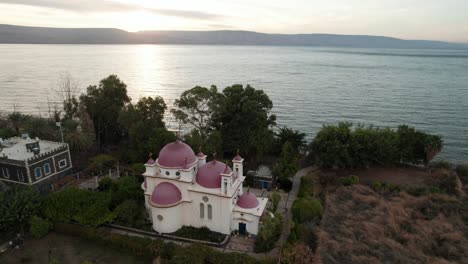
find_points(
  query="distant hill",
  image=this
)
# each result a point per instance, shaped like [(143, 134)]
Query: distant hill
[(44, 35)]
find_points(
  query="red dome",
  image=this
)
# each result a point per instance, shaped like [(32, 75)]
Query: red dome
[(176, 155), (209, 175), (248, 200), (166, 193)]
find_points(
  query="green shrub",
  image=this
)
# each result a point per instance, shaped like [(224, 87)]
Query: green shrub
[(386, 187), (197, 253), (349, 180), (129, 213), (307, 209), (443, 164), (275, 199), (269, 233), (202, 233), (462, 171), (39, 227)]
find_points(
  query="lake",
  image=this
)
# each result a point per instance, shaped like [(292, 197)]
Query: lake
[(309, 86)]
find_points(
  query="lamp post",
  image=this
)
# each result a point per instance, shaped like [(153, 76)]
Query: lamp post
[(60, 126)]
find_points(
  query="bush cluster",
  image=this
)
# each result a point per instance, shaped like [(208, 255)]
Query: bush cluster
[(345, 146), (269, 233), (39, 227), (349, 180), (386, 187), (202, 233), (307, 209)]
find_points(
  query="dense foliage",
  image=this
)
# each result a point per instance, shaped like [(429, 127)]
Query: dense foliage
[(306, 209), (202, 233), (345, 146), (39, 227), (80, 206), (104, 104), (287, 165), (17, 206), (269, 233)]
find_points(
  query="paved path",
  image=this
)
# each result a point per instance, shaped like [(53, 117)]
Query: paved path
[(287, 213)]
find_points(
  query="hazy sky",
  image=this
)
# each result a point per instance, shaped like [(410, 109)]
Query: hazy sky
[(409, 19)]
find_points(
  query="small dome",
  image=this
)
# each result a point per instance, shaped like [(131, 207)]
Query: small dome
[(150, 161), (200, 154), (166, 193), (209, 175), (248, 200), (176, 155)]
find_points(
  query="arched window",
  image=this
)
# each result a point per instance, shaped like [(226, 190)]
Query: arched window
[(38, 172), (202, 210), (210, 213)]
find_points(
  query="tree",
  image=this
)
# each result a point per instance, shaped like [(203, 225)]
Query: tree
[(306, 209), (242, 116), (269, 233), (77, 139), (17, 206), (287, 165), (100, 164), (294, 137), (129, 213), (104, 104), (275, 199), (39, 227), (195, 106), (67, 89), (143, 122)]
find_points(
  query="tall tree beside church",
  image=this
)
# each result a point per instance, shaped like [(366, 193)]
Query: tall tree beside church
[(194, 107), (242, 115), (104, 104), (144, 125)]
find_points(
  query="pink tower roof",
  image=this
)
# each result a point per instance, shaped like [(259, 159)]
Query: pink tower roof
[(248, 200), (176, 155), (237, 158), (209, 175), (166, 193), (200, 154), (150, 161)]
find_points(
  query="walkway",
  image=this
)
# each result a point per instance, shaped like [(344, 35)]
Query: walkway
[(287, 213)]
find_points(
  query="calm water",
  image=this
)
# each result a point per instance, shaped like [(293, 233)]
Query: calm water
[(309, 86)]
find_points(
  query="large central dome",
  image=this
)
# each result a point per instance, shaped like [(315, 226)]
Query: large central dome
[(209, 175), (176, 155)]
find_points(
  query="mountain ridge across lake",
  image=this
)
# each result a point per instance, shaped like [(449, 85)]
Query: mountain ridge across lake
[(47, 35)]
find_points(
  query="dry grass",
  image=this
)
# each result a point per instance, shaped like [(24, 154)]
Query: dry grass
[(361, 226)]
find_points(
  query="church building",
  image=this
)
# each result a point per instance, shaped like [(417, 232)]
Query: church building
[(183, 189)]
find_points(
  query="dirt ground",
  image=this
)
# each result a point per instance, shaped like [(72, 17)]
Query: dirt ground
[(407, 175), (66, 249)]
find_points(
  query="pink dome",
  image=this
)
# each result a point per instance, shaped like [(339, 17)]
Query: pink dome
[(176, 155), (248, 200), (150, 161), (209, 175), (200, 154), (166, 193)]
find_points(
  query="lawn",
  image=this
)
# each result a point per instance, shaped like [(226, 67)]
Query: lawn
[(67, 249)]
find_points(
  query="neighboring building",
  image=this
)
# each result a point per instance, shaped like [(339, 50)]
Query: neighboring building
[(33, 161), (183, 189), (262, 178)]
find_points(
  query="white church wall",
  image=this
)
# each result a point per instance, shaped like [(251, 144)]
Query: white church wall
[(166, 220)]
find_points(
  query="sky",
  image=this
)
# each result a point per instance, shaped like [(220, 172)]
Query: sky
[(445, 20)]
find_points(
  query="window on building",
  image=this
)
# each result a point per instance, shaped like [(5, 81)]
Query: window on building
[(210, 213), (6, 173), (62, 163), (47, 169), (20, 174), (38, 172), (202, 210), (177, 173)]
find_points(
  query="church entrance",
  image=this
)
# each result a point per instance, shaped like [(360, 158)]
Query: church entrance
[(242, 228)]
